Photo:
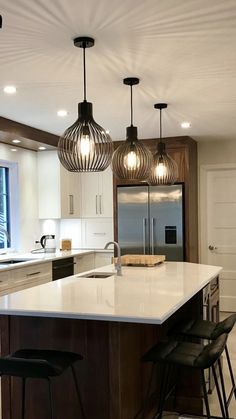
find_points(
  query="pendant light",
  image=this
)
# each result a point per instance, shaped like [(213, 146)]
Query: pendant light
[(85, 146), (132, 160), (164, 169)]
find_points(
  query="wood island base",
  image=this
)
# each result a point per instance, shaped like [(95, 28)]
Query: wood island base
[(112, 379)]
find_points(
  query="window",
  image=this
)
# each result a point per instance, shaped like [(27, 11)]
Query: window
[(4, 208)]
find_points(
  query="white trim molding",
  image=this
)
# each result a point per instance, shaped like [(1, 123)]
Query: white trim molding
[(204, 169)]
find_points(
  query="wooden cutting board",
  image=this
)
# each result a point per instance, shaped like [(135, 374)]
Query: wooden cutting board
[(144, 260)]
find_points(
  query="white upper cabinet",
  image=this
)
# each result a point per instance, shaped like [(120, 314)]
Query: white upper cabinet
[(59, 191), (97, 194)]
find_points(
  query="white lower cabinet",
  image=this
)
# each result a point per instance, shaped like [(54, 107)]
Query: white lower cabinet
[(83, 263), (21, 278)]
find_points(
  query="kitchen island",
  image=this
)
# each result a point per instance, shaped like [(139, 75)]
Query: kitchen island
[(112, 322)]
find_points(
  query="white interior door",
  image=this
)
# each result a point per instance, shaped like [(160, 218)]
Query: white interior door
[(219, 230)]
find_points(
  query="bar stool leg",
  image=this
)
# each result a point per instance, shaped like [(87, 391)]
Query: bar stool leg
[(50, 397), (78, 392), (223, 389), (164, 382), (218, 392), (205, 394), (23, 398), (233, 391)]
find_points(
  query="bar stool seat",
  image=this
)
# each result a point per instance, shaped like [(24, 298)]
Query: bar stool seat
[(37, 363), (192, 355), (44, 364), (205, 329)]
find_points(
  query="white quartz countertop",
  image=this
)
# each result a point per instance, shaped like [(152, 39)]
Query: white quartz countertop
[(141, 295), (40, 257)]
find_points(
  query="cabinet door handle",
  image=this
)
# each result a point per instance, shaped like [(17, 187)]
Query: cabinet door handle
[(96, 204), (99, 234), (71, 204), (67, 265), (100, 203), (33, 273), (152, 235), (144, 236)]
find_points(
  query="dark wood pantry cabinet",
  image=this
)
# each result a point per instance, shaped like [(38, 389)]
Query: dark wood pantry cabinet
[(184, 151)]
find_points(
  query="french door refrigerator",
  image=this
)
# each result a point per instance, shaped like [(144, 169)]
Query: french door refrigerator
[(150, 220)]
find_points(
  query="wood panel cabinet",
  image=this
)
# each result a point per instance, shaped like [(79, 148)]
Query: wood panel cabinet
[(184, 151), (18, 279), (96, 194), (103, 259), (59, 191), (84, 263)]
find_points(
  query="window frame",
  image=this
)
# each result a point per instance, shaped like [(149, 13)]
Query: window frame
[(13, 203)]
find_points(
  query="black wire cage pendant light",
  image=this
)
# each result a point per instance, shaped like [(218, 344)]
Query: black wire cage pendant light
[(164, 169), (132, 160), (85, 146)]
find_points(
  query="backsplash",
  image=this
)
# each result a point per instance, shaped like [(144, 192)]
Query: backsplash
[(84, 233)]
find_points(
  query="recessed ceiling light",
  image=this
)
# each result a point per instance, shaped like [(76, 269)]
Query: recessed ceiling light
[(185, 124), (16, 141), (10, 90), (62, 112), (42, 148), (13, 149)]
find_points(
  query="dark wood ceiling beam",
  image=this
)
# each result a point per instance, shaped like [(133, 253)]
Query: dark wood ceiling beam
[(25, 131)]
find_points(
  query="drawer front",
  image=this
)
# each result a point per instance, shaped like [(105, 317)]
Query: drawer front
[(26, 275), (5, 281)]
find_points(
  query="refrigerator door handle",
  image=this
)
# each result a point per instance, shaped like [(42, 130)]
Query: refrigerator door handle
[(152, 235), (144, 236)]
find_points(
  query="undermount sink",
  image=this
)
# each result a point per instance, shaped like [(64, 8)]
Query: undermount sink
[(13, 261), (98, 275)]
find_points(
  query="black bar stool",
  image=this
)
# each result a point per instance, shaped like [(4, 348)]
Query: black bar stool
[(45, 364), (205, 329), (191, 355)]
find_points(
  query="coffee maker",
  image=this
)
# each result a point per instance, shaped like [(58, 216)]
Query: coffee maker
[(48, 243)]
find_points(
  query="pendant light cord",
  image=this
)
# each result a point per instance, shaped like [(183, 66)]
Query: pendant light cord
[(131, 105), (160, 127), (84, 65)]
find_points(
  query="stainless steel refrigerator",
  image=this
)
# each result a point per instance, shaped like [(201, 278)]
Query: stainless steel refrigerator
[(150, 220)]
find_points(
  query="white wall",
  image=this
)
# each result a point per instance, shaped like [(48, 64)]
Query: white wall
[(216, 152), (27, 209)]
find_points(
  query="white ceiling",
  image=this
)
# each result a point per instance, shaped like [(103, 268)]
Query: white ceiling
[(183, 51)]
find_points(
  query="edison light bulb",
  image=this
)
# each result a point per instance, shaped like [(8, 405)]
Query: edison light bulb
[(131, 161), (86, 146), (160, 170)]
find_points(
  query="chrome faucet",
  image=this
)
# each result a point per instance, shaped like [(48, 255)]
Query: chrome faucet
[(118, 261)]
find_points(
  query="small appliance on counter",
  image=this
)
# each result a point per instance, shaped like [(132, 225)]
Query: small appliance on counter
[(48, 244), (66, 244)]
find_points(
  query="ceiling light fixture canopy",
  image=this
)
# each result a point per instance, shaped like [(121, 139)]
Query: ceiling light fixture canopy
[(165, 169), (132, 160), (85, 146)]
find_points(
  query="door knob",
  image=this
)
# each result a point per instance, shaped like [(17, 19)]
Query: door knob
[(210, 247)]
